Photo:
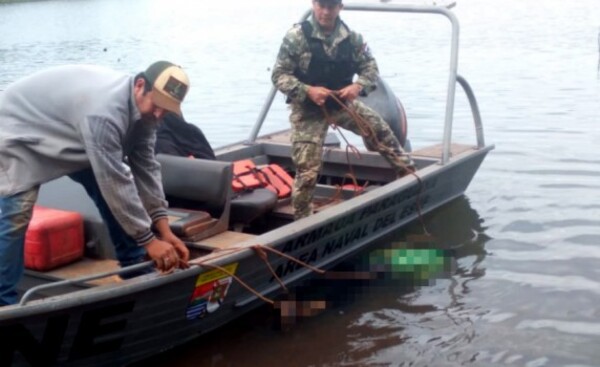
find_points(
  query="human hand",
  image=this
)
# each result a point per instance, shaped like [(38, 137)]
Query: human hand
[(180, 248), (318, 95), (164, 254), (350, 92)]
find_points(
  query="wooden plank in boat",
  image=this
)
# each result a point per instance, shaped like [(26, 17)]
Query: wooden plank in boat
[(85, 267), (435, 151), (224, 240)]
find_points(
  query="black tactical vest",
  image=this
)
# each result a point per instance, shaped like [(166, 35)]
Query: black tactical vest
[(324, 71)]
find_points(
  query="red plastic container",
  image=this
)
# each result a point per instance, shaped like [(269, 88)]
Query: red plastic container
[(54, 238)]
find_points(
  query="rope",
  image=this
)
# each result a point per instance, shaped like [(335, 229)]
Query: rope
[(365, 128), (265, 257), (284, 255), (367, 131), (260, 251), (242, 283)]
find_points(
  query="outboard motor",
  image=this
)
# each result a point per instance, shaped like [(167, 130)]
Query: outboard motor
[(385, 103)]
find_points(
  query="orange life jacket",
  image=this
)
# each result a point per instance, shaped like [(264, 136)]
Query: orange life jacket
[(247, 177), (244, 176), (277, 180)]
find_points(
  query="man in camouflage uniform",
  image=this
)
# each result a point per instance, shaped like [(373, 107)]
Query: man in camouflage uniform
[(318, 57)]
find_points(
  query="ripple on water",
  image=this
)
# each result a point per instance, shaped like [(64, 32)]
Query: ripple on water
[(530, 295), (547, 282), (569, 327)]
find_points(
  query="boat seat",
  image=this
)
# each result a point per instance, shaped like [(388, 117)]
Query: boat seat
[(197, 185), (248, 206)]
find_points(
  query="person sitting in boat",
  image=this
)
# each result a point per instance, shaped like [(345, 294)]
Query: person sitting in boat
[(317, 59), (176, 136), (85, 121)]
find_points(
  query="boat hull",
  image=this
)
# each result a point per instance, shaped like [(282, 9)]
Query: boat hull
[(119, 323)]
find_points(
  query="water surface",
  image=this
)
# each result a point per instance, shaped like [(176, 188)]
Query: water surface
[(526, 238)]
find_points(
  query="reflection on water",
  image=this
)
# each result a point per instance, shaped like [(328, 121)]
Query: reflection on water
[(366, 320), (525, 288)]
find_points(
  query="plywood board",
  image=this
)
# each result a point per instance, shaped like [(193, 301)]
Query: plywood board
[(435, 151), (87, 267), (224, 240)]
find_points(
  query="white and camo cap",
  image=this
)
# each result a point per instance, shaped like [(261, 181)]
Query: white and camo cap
[(169, 85)]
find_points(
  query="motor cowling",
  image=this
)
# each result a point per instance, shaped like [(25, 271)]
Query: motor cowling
[(388, 106)]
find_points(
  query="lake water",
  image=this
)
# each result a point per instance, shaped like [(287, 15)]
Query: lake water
[(526, 237)]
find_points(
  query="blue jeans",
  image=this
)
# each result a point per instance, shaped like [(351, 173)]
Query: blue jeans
[(126, 248), (15, 214)]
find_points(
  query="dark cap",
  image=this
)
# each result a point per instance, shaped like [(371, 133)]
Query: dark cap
[(332, 2)]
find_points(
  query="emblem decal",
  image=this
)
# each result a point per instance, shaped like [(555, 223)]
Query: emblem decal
[(209, 294), (175, 88)]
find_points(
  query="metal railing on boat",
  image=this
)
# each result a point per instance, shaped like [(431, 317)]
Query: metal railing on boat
[(26, 297), (453, 79)]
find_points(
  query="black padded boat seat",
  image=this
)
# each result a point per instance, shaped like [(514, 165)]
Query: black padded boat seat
[(200, 185), (249, 206)]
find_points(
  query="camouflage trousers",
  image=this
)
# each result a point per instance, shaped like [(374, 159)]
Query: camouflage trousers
[(309, 128)]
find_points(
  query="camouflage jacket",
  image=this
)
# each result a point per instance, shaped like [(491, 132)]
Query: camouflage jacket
[(295, 53)]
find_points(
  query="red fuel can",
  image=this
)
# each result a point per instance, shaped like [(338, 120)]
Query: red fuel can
[(54, 238)]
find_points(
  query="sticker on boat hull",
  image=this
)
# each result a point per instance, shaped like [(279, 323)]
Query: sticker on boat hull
[(210, 291)]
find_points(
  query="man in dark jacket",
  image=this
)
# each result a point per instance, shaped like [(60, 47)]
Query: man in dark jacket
[(175, 136)]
